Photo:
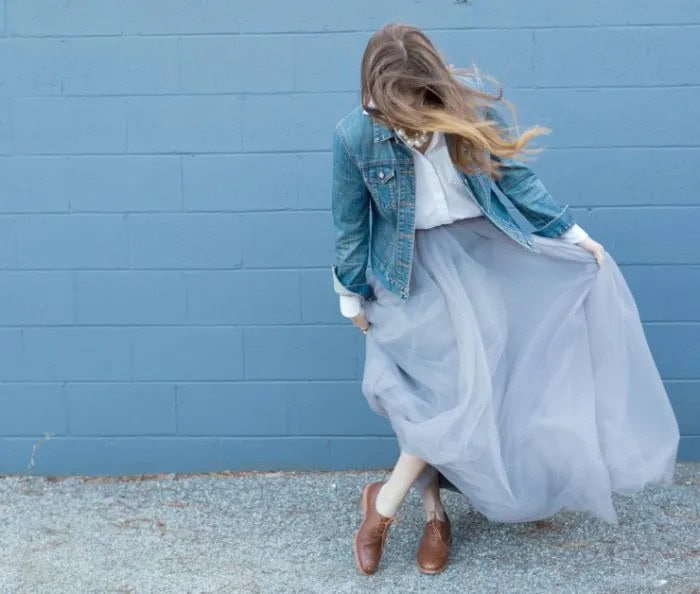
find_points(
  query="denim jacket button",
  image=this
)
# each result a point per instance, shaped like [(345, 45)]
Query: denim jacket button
[(381, 174)]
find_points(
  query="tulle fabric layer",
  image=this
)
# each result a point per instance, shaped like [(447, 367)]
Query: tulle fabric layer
[(524, 378)]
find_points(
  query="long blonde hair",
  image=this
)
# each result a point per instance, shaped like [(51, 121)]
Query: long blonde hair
[(400, 62)]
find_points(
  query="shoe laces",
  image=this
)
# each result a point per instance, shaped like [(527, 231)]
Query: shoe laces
[(434, 526), (383, 524)]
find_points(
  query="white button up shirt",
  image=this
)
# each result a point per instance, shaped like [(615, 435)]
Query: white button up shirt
[(440, 199)]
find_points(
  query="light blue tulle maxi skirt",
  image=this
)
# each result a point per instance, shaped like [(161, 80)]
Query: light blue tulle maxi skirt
[(524, 379)]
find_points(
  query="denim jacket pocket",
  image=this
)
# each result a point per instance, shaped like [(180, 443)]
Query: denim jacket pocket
[(381, 181)]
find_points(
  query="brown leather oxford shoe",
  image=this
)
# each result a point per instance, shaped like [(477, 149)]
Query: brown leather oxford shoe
[(434, 548), (368, 543)]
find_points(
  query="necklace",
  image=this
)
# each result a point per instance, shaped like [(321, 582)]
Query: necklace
[(415, 141)]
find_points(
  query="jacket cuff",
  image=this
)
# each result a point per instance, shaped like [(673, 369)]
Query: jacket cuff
[(563, 222), (360, 290)]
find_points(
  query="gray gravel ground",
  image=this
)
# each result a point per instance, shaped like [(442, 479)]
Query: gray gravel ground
[(292, 532)]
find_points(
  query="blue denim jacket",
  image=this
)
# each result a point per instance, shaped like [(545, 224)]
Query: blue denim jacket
[(373, 175)]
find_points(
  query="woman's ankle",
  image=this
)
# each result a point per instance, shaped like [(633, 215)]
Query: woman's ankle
[(434, 510)]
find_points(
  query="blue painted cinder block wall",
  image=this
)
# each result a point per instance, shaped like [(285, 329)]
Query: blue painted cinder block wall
[(165, 236)]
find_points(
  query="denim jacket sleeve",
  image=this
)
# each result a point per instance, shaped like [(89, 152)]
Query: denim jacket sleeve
[(523, 188), (528, 194), (350, 208)]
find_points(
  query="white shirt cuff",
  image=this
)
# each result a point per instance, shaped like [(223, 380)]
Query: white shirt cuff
[(574, 234), (350, 305)]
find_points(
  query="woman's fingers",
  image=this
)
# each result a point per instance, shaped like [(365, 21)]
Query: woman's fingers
[(595, 248), (599, 257), (599, 253), (360, 320)]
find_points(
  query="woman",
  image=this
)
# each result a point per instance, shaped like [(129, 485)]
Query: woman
[(512, 366)]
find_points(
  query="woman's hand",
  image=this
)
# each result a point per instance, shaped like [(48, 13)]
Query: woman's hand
[(360, 320), (594, 247)]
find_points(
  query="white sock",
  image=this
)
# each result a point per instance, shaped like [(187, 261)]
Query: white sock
[(388, 500), (395, 489)]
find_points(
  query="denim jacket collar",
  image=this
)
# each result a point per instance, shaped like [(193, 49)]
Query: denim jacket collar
[(379, 132)]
